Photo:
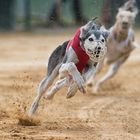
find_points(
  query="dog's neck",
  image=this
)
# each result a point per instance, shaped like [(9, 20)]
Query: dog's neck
[(119, 34)]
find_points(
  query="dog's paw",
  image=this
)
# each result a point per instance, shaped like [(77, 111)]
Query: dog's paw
[(70, 94), (49, 96), (33, 108), (82, 89), (96, 88), (80, 82), (89, 84), (72, 90)]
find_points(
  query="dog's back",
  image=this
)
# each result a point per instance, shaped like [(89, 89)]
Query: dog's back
[(57, 57)]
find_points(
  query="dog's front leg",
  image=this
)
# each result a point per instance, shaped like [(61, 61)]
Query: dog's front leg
[(90, 72), (72, 89), (58, 85), (71, 69), (90, 75)]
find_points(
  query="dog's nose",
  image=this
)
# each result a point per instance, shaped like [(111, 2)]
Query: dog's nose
[(98, 52), (125, 23), (97, 55)]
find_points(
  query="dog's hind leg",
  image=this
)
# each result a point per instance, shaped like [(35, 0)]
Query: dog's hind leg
[(92, 76), (110, 73), (58, 85), (54, 63), (113, 69), (43, 86)]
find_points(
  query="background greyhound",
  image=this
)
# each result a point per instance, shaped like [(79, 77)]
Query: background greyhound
[(121, 42)]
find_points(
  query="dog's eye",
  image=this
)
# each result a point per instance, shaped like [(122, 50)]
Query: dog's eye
[(91, 39), (103, 40)]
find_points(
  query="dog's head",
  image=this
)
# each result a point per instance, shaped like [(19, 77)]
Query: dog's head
[(93, 40), (126, 15)]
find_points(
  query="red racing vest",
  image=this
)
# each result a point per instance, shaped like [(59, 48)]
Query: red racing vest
[(81, 54)]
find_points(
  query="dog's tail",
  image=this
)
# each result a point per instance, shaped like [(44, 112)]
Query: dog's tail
[(57, 57)]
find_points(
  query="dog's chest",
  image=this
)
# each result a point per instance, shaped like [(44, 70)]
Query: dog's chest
[(116, 48)]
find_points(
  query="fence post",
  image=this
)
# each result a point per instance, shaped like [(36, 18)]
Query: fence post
[(27, 12), (7, 14)]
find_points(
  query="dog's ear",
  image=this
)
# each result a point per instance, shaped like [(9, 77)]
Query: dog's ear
[(135, 11), (86, 28), (102, 28), (120, 9), (105, 32), (130, 5), (90, 25), (83, 32)]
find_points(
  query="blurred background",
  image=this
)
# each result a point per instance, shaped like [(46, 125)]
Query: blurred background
[(36, 14)]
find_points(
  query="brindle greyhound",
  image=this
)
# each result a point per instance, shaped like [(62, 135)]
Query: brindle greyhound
[(74, 61)]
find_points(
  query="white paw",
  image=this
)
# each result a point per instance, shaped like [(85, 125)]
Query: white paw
[(72, 91), (90, 84), (49, 96), (96, 88), (70, 94), (81, 88), (80, 83)]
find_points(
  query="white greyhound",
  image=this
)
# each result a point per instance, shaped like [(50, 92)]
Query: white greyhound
[(120, 43)]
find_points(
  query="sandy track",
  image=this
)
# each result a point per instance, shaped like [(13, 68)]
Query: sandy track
[(111, 114)]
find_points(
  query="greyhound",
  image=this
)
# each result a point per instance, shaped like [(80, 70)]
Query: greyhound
[(74, 61), (120, 43)]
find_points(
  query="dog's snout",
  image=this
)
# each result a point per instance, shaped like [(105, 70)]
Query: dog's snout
[(90, 50), (125, 23), (97, 55), (98, 52)]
